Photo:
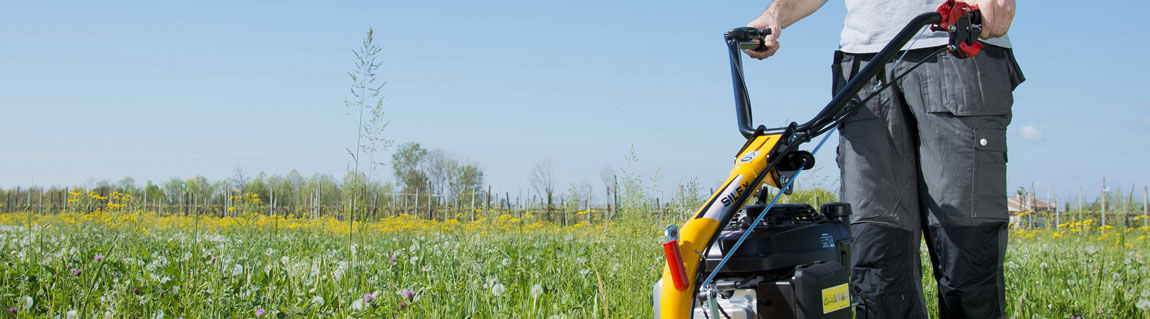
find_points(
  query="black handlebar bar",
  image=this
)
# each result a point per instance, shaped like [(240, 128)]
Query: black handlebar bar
[(833, 111)]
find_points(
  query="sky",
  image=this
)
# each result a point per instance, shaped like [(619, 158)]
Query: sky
[(101, 90)]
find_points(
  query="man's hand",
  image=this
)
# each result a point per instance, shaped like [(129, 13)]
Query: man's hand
[(781, 14), (996, 17), (764, 21)]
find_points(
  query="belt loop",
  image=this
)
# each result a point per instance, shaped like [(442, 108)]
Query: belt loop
[(854, 66)]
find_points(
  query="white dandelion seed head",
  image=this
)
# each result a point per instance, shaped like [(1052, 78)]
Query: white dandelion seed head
[(536, 291), (498, 289), (317, 301)]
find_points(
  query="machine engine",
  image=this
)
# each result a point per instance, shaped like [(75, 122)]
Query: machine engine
[(795, 264)]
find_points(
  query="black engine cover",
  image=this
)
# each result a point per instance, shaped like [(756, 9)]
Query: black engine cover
[(791, 235)]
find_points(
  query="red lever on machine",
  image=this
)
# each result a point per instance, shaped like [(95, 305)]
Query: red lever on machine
[(961, 21), (675, 263)]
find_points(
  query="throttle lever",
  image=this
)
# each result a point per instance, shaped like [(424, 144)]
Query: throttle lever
[(964, 23)]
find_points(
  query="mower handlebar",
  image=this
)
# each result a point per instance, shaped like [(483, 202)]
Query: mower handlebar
[(958, 19)]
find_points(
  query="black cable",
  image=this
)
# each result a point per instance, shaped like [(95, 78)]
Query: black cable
[(852, 107), (722, 311)]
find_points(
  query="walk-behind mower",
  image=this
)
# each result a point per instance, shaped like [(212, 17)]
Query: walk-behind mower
[(769, 260)]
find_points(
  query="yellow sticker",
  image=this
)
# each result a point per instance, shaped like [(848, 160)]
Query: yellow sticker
[(835, 298)]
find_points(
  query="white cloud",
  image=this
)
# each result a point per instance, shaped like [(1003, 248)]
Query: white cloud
[(1031, 133)]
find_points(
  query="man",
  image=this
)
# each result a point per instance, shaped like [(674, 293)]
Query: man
[(925, 159)]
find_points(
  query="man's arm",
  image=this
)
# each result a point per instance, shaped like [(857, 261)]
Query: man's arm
[(996, 17), (781, 14)]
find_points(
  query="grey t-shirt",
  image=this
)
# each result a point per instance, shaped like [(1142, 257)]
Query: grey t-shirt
[(870, 24)]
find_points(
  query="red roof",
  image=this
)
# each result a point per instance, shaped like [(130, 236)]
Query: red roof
[(1013, 205)]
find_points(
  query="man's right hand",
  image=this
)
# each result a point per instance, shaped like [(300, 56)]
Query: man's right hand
[(764, 21)]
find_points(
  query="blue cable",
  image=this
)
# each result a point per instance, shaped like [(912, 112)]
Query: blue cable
[(760, 218)]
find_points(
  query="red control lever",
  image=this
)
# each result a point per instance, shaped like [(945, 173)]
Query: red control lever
[(964, 23), (675, 264)]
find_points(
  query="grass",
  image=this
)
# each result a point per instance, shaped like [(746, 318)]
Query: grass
[(137, 265)]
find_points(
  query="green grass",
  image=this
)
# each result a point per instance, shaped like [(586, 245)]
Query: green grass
[(233, 272)]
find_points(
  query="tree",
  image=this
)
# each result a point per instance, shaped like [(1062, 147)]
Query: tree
[(448, 175), (153, 192), (468, 181), (543, 181), (173, 189), (406, 164), (127, 185), (607, 175), (239, 178)]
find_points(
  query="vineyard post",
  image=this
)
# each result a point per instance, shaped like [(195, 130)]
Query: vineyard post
[(1033, 206), (606, 201), (473, 205), (616, 188), (1046, 215), (1057, 215), (658, 204), (429, 212), (40, 207), (1103, 202), (1146, 206), (1126, 207), (587, 204)]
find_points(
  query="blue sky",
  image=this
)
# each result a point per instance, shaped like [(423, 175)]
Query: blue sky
[(159, 89)]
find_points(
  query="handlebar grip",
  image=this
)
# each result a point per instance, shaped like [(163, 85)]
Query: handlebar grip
[(745, 35), (753, 46)]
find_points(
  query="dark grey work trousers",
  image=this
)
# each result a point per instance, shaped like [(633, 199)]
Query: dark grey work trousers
[(926, 158)]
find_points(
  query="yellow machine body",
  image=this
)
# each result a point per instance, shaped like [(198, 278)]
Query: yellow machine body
[(697, 232)]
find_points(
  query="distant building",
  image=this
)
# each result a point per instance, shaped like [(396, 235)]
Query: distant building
[(1014, 205)]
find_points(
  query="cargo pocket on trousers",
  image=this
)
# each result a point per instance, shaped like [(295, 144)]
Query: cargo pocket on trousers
[(976, 86), (989, 175)]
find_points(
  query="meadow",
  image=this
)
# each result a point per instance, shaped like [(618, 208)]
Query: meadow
[(118, 263)]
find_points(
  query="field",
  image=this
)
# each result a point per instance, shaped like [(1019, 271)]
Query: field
[(115, 263)]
